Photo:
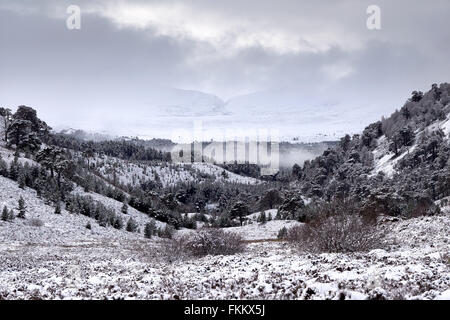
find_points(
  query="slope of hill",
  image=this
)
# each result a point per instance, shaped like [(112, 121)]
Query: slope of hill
[(43, 226), (66, 226), (168, 174)]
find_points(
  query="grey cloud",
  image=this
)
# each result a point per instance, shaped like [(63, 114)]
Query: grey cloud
[(44, 64)]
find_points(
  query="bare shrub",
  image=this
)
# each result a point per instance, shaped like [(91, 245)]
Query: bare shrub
[(297, 234), (337, 227), (205, 242), (36, 222), (422, 206)]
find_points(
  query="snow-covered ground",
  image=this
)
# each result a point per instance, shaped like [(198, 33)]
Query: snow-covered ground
[(418, 268), (58, 229)]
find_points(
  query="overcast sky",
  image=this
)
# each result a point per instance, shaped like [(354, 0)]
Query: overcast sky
[(226, 48)]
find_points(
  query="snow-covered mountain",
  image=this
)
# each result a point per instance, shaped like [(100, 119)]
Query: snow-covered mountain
[(159, 112), (180, 103), (306, 116)]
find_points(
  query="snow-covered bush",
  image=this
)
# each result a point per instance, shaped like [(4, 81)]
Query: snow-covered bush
[(210, 241), (341, 229), (7, 215)]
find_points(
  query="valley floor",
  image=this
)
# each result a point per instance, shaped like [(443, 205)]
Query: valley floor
[(416, 266)]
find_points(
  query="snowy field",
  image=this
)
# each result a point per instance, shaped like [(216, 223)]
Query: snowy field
[(128, 172)]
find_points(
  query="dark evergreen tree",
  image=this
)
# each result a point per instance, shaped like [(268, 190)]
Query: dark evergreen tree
[(124, 208), (150, 229), (118, 223), (58, 208), (6, 214), (131, 225), (240, 211), (296, 170), (270, 199), (21, 208)]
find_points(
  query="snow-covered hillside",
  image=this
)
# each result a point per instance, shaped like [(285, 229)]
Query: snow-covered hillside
[(417, 267), (43, 226), (55, 227), (8, 156), (385, 160)]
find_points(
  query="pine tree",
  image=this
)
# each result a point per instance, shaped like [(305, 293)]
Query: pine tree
[(22, 208), (278, 215), (270, 199), (58, 208), (21, 180), (118, 223), (124, 208), (224, 220), (3, 168), (13, 169), (239, 210), (21, 135), (262, 217), (282, 233), (166, 232), (131, 225), (224, 174), (296, 170), (5, 214), (150, 229)]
